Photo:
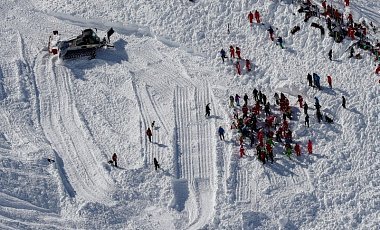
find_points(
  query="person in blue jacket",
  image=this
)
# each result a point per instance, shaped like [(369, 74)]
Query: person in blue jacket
[(221, 133), (223, 54)]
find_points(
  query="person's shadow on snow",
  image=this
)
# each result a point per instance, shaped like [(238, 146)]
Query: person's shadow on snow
[(215, 117), (160, 145)]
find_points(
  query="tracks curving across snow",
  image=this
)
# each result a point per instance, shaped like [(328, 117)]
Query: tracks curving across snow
[(63, 128)]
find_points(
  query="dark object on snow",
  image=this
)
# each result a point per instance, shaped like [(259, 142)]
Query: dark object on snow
[(330, 54), (156, 164), (338, 34), (343, 102), (85, 44), (50, 160), (114, 159), (207, 110), (328, 119), (315, 25), (365, 45), (295, 29)]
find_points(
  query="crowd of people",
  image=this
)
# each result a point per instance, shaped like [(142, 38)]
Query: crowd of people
[(255, 120), (261, 126)]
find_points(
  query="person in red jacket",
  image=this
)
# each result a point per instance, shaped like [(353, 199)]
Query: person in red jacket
[(350, 19), (347, 2), (149, 134), (250, 17), (241, 151), (310, 147), (351, 32), (324, 5), (238, 68), (300, 100), (297, 149), (257, 16), (232, 52), (329, 81), (247, 65), (238, 52), (377, 71)]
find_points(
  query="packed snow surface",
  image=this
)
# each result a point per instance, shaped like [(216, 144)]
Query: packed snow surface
[(165, 67)]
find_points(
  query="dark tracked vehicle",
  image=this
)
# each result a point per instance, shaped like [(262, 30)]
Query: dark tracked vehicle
[(83, 45)]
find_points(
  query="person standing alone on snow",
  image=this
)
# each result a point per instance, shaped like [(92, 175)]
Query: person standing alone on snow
[(207, 110), (248, 65), (310, 147), (310, 79), (223, 54), (114, 159), (279, 42), (271, 33), (330, 55), (149, 134), (156, 164), (343, 102), (329, 80), (221, 133), (238, 68)]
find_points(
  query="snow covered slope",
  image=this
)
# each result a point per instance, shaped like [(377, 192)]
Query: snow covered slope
[(165, 68)]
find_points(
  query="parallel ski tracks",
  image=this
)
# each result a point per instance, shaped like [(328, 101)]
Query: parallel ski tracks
[(196, 148), (63, 128)]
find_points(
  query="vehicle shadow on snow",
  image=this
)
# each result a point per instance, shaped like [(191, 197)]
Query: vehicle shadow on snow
[(110, 56), (114, 55)]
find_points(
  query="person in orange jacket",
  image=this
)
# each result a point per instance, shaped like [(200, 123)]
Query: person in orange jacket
[(149, 134), (250, 17), (329, 81), (310, 147), (232, 52), (257, 16), (297, 149)]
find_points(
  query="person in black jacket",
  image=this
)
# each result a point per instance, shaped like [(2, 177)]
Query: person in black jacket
[(207, 110), (330, 55), (310, 79), (343, 102), (156, 164), (307, 120), (305, 107)]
